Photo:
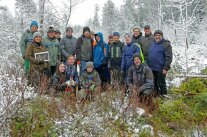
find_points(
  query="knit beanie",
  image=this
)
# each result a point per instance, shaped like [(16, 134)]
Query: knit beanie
[(116, 34), (86, 29), (50, 29), (89, 64), (34, 23), (158, 32), (36, 34), (136, 55)]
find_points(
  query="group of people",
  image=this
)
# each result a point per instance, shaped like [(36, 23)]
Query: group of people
[(87, 63)]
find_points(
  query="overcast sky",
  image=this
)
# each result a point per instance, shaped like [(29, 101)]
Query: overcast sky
[(81, 13)]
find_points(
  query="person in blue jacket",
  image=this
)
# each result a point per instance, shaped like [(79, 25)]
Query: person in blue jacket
[(101, 51), (129, 50), (159, 60)]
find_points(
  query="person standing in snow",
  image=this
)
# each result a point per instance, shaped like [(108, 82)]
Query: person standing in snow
[(84, 49), (38, 68), (137, 35), (146, 41), (127, 57), (68, 44), (115, 54), (27, 39), (160, 59), (53, 46), (101, 58)]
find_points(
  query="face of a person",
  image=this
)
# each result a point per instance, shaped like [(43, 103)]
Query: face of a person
[(69, 33), (115, 38), (86, 34), (62, 68), (34, 28), (128, 39), (51, 34), (137, 61), (38, 39), (89, 69), (110, 40), (71, 61), (158, 37), (98, 38), (136, 32), (147, 31), (92, 36), (57, 35)]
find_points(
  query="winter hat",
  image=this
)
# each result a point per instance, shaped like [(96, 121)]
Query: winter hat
[(92, 33), (36, 34), (89, 64), (34, 23), (147, 27), (50, 29), (116, 34), (69, 29), (158, 32), (128, 35), (110, 36), (86, 29), (136, 55), (57, 31)]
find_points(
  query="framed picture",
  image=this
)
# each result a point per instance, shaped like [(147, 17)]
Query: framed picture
[(42, 56)]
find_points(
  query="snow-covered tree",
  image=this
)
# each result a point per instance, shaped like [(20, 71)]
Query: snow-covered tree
[(25, 12), (110, 17)]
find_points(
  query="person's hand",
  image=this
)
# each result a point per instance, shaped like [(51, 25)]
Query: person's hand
[(164, 72), (41, 62)]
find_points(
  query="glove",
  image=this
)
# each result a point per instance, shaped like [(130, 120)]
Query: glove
[(41, 62)]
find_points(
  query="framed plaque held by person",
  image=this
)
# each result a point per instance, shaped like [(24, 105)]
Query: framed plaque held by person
[(42, 56)]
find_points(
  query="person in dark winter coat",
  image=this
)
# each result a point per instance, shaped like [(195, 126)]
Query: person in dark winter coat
[(38, 67), (115, 58), (146, 41), (90, 82), (140, 77), (84, 49), (101, 57), (68, 44), (58, 80), (160, 59), (137, 35), (53, 47), (27, 39), (127, 57), (58, 35)]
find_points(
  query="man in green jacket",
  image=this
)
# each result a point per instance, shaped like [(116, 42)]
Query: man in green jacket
[(26, 39), (53, 46)]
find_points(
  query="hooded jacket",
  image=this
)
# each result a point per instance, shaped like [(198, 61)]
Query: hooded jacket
[(145, 44), (127, 56), (160, 55), (100, 52)]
